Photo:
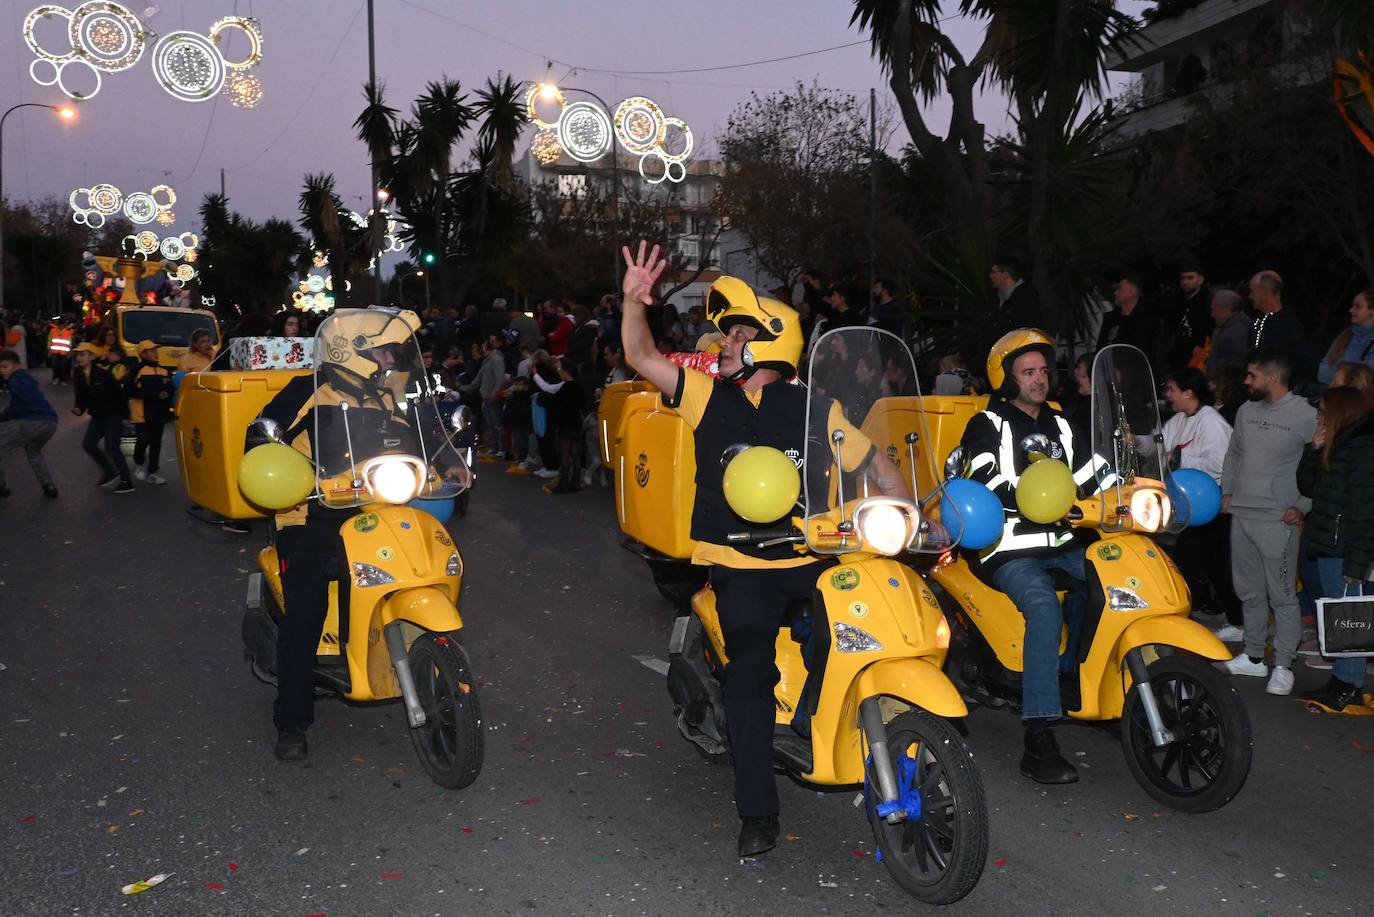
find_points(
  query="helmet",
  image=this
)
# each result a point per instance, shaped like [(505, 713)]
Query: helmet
[(1010, 346), (778, 345), (348, 337)]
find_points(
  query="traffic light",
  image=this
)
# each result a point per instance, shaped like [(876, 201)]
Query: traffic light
[(429, 257)]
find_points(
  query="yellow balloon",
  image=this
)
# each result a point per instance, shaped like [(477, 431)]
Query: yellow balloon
[(275, 476), (761, 484), (1046, 491)]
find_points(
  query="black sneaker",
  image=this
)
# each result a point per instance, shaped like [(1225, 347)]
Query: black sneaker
[(1335, 694), (1042, 761), (107, 480), (125, 487), (758, 834), (50, 491), (291, 745)]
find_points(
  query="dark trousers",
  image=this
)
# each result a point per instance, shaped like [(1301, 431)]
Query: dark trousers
[(569, 465), (752, 605), (105, 431), (310, 556), (1203, 556), (61, 367), (149, 444)]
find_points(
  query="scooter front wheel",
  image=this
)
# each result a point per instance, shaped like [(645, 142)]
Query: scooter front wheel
[(1206, 763), (450, 741), (938, 856)]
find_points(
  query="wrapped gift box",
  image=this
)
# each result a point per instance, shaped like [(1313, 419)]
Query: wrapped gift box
[(248, 354)]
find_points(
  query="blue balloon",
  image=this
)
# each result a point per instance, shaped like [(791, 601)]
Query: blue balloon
[(440, 508), (977, 524), (1196, 497)]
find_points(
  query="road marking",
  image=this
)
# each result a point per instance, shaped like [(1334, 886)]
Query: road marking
[(652, 662)]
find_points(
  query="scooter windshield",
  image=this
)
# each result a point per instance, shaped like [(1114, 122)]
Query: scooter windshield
[(865, 468), (375, 398), (1127, 437)]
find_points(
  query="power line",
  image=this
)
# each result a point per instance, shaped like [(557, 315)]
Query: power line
[(757, 63)]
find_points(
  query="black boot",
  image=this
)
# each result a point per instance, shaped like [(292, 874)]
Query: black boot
[(1335, 694), (758, 834), (291, 745), (1042, 761)]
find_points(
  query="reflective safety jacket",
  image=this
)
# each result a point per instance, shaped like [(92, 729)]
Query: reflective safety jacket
[(60, 340), (992, 441)]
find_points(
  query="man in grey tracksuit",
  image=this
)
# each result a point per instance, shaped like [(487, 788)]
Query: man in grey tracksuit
[(1260, 490)]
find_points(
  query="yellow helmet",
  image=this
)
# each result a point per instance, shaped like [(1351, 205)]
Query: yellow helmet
[(1010, 346), (778, 345), (345, 340)]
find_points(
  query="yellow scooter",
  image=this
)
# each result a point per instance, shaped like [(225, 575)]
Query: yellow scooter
[(389, 469), (1139, 657), (877, 701)]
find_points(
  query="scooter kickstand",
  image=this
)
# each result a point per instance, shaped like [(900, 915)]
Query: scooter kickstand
[(871, 718), (396, 647), (1140, 677)]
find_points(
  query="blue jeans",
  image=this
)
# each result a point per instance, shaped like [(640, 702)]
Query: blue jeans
[(1349, 669), (1026, 581)]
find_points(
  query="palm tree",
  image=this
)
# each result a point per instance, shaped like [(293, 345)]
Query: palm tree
[(344, 244)]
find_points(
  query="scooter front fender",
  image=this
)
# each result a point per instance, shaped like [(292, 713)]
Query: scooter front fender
[(1171, 630), (916, 681), (427, 607)]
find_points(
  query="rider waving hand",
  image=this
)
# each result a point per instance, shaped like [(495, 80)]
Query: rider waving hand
[(752, 403)]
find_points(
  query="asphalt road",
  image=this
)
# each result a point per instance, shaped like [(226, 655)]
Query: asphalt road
[(134, 741)]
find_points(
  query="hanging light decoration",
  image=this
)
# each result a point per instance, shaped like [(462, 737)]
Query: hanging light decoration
[(545, 147), (244, 89)]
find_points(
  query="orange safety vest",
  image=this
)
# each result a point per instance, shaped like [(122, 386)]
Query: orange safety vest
[(60, 341)]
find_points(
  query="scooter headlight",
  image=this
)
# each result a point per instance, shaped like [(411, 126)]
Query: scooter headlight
[(1150, 509), (886, 525), (394, 478)]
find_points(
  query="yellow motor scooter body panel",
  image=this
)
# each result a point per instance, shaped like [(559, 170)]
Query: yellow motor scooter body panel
[(655, 471), (991, 612), (214, 410), (945, 417), (611, 411)]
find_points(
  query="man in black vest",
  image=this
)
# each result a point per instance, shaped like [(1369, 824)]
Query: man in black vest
[(751, 403)]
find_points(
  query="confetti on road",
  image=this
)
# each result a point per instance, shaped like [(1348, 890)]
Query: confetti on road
[(67, 871), (233, 867), (1129, 817), (1159, 888), (999, 862), (303, 851), (1360, 746), (467, 830), (391, 875), (138, 888), (214, 886), (532, 801), (28, 819)]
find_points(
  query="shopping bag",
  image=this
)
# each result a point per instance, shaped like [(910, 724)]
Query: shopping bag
[(1345, 625), (538, 419)]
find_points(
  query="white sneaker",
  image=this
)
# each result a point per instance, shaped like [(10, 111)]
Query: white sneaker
[(587, 478), (1241, 665), (156, 479), (1229, 634), (139, 473), (1281, 682), (547, 473)]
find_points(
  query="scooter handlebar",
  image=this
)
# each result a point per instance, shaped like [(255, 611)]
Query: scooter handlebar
[(781, 534)]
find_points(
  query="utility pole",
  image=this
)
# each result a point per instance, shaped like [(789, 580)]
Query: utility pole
[(372, 192), (221, 182), (872, 196)]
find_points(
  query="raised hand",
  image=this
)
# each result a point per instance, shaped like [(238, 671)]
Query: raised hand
[(641, 274)]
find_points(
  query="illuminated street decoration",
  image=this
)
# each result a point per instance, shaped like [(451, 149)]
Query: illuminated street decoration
[(90, 206), (140, 207), (545, 146), (102, 36), (586, 132)]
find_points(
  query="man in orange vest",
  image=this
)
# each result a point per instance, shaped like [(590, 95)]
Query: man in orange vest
[(60, 335)]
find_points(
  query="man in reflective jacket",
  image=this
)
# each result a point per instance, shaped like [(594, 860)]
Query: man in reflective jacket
[(1021, 563)]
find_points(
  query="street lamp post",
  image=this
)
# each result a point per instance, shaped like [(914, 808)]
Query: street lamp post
[(549, 91), (65, 112), (402, 285)]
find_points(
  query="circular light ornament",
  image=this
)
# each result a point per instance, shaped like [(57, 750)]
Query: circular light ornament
[(106, 35), (315, 283), (545, 147), (639, 124), (186, 273), (76, 196), (683, 134), (545, 92), (47, 11), (656, 178), (251, 29), (166, 217), (166, 191), (172, 249), (140, 207), (189, 241), (584, 131), (191, 256), (92, 218), (188, 66), (106, 199), (146, 242), (244, 89)]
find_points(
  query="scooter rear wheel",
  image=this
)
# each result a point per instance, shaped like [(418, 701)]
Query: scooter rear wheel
[(938, 857), (1207, 763), (449, 744)]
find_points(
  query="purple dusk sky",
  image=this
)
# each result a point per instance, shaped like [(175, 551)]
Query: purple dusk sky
[(134, 136)]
